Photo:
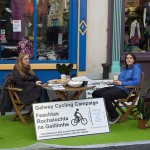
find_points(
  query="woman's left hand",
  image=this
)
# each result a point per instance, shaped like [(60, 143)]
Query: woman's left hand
[(117, 82)]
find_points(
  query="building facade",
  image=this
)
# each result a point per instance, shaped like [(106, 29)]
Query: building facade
[(86, 33)]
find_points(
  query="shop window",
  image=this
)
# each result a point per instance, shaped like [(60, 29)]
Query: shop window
[(137, 26), (17, 29)]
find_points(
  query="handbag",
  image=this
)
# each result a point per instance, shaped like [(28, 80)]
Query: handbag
[(147, 98)]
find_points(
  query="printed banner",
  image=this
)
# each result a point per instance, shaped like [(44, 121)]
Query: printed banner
[(98, 84), (70, 118)]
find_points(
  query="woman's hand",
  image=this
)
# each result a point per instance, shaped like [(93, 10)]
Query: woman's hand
[(38, 83), (117, 82)]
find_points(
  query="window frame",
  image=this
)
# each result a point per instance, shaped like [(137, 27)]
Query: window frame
[(73, 26), (141, 56)]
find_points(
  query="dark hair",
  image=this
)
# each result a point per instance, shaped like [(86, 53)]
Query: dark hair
[(135, 60)]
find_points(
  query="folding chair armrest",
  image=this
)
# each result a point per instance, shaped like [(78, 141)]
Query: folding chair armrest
[(131, 87), (14, 89)]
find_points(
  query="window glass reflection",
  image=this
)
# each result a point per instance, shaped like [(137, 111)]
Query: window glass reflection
[(52, 29), (17, 29), (137, 26)]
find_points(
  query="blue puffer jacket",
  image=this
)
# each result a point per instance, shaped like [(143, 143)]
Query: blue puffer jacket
[(130, 77)]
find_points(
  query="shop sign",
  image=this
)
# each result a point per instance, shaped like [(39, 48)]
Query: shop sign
[(16, 25), (70, 118)]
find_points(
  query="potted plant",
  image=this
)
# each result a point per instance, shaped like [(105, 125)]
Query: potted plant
[(144, 111), (64, 68)]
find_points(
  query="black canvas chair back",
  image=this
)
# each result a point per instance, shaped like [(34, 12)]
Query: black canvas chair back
[(5, 101)]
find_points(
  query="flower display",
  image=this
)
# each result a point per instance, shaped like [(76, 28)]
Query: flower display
[(25, 46)]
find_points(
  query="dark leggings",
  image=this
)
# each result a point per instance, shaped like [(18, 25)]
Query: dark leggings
[(44, 96), (109, 94)]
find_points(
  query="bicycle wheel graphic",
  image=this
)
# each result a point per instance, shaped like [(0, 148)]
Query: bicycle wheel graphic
[(84, 121), (74, 122)]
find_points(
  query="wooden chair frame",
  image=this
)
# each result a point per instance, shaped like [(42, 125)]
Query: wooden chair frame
[(129, 102), (17, 104)]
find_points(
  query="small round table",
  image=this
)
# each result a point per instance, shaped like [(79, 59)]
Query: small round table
[(63, 93)]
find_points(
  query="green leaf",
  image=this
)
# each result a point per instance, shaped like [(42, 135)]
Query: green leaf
[(64, 69), (142, 109)]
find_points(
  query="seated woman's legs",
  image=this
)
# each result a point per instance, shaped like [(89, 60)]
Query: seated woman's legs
[(110, 94), (44, 96), (98, 93)]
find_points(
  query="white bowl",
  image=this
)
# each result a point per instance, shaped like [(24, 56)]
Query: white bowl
[(75, 83)]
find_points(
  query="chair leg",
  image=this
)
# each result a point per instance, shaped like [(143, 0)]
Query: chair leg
[(18, 113), (129, 111), (124, 117), (22, 119), (119, 107), (134, 115)]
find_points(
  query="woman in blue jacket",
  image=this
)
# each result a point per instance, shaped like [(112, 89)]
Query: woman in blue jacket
[(130, 76)]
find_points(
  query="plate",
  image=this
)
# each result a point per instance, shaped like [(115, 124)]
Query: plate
[(50, 85), (55, 81), (63, 82)]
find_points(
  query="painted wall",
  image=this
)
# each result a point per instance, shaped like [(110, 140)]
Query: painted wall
[(97, 20)]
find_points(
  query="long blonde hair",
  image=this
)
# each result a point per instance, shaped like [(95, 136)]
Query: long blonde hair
[(21, 67)]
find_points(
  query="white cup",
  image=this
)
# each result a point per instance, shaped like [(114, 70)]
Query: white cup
[(115, 78), (63, 76)]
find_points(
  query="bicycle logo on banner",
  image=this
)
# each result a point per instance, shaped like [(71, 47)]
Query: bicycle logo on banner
[(78, 118)]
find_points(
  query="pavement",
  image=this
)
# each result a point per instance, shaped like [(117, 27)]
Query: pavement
[(139, 145)]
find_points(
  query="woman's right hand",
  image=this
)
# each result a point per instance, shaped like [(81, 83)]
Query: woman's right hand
[(38, 83)]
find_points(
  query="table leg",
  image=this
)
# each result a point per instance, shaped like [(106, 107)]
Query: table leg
[(62, 95), (76, 95)]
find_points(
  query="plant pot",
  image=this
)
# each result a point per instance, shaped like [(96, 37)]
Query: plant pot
[(142, 124)]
